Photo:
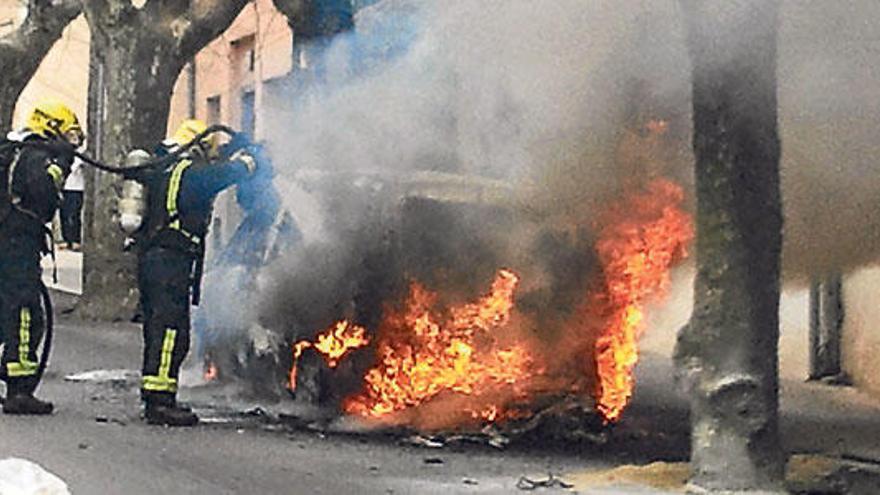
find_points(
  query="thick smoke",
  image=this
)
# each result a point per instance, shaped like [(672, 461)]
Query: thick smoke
[(537, 103), (542, 107), (506, 89), (444, 141), (829, 97)]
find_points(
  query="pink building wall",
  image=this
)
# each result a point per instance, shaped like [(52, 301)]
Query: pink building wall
[(255, 49)]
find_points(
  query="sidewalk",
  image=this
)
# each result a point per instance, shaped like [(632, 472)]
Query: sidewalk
[(831, 432), (69, 269)]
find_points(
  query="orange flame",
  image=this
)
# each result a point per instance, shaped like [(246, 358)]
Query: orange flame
[(489, 414), (423, 354), (640, 239), (333, 344), (475, 357), (211, 372)]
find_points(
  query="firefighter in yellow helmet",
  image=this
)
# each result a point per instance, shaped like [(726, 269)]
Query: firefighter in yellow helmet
[(179, 204), (186, 133), (31, 177)]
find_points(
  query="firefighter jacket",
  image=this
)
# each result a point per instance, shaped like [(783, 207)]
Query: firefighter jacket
[(180, 200), (31, 183)]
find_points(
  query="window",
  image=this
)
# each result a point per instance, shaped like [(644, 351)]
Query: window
[(214, 111), (248, 113), (244, 55)]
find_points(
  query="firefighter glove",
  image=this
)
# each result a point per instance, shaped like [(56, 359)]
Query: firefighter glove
[(246, 158)]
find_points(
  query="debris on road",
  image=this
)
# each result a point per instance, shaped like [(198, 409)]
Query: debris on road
[(105, 419), (112, 377), (552, 481), (423, 441)]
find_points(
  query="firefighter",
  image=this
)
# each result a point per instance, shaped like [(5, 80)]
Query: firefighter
[(179, 204), (32, 177)]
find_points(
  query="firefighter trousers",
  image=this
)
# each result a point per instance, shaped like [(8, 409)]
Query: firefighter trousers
[(164, 279), (21, 313)]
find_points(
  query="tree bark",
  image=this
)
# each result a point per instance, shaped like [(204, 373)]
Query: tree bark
[(727, 353), (23, 49), (140, 53)]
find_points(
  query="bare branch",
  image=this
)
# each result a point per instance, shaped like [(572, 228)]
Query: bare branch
[(295, 10), (95, 8), (22, 49), (44, 23), (204, 21)]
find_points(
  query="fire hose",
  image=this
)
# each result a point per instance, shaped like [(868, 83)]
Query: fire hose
[(47, 340), (238, 141)]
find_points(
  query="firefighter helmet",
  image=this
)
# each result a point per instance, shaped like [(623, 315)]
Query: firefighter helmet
[(52, 118), (189, 129)]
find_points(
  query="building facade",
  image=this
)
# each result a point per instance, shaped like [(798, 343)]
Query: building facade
[(227, 81)]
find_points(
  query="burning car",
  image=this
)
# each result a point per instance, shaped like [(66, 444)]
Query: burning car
[(432, 302)]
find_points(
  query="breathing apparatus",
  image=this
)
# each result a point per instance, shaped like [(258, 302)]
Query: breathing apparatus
[(132, 203)]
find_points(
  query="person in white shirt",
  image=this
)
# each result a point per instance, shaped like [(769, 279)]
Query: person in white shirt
[(71, 207)]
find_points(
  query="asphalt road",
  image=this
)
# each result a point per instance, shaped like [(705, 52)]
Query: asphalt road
[(97, 443)]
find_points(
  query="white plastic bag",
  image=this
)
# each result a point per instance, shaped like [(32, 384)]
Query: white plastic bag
[(23, 477)]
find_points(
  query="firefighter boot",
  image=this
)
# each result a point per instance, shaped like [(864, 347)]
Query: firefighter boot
[(23, 403), (165, 411)]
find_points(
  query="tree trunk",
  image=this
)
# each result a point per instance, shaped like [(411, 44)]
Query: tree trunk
[(23, 49), (727, 353), (138, 53), (132, 65), (15, 78)]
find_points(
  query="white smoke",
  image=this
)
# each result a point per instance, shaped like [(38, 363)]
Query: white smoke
[(536, 94), (501, 88)]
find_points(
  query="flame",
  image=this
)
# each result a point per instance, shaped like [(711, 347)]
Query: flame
[(424, 352), (472, 358), (333, 344), (489, 414), (640, 239), (211, 372)]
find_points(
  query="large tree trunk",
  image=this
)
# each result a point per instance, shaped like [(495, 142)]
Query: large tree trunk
[(139, 54), (23, 49), (131, 66), (727, 354)]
